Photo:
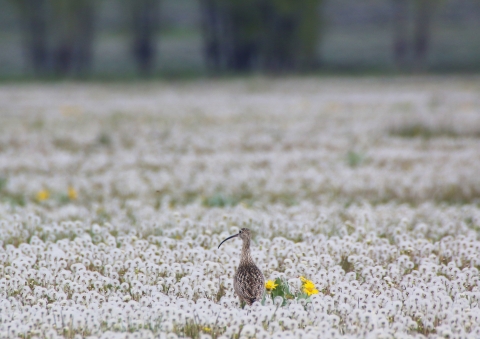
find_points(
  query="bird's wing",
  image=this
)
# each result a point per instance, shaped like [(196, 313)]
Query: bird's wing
[(254, 285)]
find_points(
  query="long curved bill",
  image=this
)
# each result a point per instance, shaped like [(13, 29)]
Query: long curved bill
[(233, 236)]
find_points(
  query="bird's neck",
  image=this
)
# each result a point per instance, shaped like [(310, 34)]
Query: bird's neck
[(246, 257)]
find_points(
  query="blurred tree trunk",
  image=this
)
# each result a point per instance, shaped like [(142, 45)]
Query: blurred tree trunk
[(400, 29), (243, 26), (33, 20), (231, 34), (273, 35), (58, 34), (279, 38), (84, 37), (421, 41), (38, 36), (211, 25), (73, 32), (292, 32), (311, 25), (63, 31), (63, 55), (145, 23)]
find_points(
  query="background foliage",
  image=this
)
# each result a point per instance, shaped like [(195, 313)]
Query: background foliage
[(125, 38)]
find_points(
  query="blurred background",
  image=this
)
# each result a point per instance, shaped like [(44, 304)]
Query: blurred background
[(150, 38)]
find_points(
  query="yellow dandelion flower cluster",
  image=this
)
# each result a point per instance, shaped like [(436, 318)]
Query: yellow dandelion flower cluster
[(72, 193), (270, 285), (308, 286), (43, 195)]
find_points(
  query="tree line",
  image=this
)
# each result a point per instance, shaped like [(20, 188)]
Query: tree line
[(273, 36)]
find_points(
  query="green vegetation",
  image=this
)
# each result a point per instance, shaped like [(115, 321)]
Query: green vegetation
[(419, 130)]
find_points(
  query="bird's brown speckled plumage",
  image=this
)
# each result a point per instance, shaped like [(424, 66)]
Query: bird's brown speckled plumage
[(248, 281)]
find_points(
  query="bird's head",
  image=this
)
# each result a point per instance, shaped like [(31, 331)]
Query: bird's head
[(243, 234)]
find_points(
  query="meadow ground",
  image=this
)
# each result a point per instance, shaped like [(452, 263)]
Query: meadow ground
[(114, 198)]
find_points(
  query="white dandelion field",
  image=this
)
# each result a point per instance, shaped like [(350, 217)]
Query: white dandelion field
[(114, 198)]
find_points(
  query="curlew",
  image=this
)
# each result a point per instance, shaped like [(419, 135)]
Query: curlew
[(248, 281)]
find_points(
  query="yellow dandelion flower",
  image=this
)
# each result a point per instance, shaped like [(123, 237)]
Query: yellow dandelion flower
[(43, 195), (304, 280), (310, 291), (270, 285), (72, 193), (308, 286), (207, 329)]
